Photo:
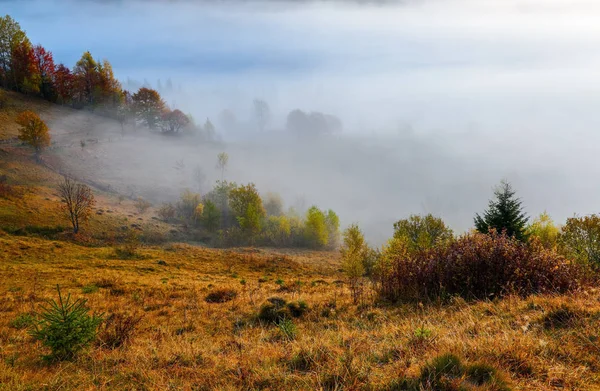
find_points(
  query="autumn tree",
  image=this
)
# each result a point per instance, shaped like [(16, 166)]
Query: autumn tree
[(63, 84), (332, 222), (108, 93), (220, 196), (148, 107), (34, 132), (580, 239), (262, 113), (354, 251), (44, 63), (248, 208), (86, 80), (211, 216), (543, 229), (11, 36), (315, 228), (77, 201), (422, 232), (174, 121), (25, 75)]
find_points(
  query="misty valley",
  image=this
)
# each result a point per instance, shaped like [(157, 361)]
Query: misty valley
[(318, 195)]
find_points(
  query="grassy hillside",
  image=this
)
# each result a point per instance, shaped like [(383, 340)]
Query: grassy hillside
[(184, 342)]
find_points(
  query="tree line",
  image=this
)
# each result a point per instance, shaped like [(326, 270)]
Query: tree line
[(90, 84)]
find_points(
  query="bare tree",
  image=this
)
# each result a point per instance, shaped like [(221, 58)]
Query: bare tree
[(199, 177), (77, 200), (222, 160), (262, 113)]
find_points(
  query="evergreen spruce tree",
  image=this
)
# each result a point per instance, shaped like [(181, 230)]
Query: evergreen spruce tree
[(504, 214)]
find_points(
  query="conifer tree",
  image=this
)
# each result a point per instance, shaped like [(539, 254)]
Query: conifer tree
[(504, 214)]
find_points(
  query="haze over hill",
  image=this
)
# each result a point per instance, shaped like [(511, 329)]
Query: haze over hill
[(439, 99)]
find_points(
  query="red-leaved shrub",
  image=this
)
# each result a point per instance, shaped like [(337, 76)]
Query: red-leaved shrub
[(478, 266)]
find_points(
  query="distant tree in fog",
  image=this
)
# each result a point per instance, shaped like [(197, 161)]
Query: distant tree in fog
[(148, 107), (262, 113), (273, 204), (77, 200), (312, 124), (227, 120), (222, 161), (209, 129), (199, 178), (124, 112)]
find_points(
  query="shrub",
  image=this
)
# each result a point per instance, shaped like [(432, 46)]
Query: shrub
[(273, 311), (297, 309), (118, 329), (128, 250), (65, 327), (277, 309), (221, 295), (167, 212), (187, 206), (480, 266), (141, 205)]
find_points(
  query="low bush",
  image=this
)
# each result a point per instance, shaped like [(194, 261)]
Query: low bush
[(479, 266), (142, 205), (276, 309), (118, 329), (167, 212), (221, 295), (273, 311)]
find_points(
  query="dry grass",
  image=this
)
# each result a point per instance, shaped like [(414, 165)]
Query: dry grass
[(183, 342)]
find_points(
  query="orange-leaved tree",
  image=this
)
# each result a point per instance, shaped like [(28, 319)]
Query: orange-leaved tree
[(33, 131), (77, 200)]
